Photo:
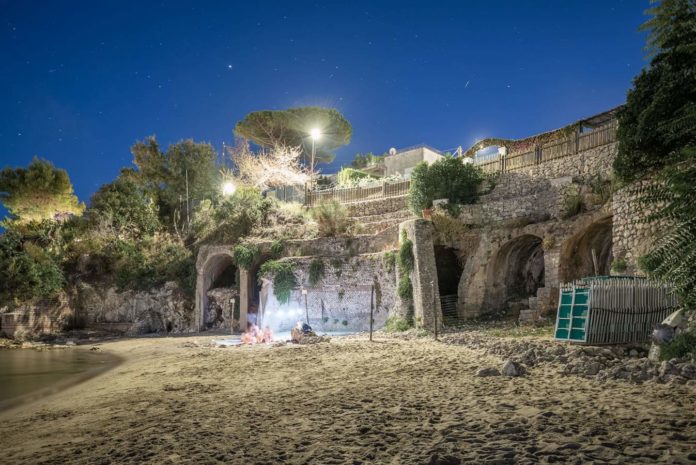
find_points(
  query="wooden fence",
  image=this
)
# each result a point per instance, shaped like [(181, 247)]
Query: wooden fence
[(613, 310), (552, 150), (358, 194)]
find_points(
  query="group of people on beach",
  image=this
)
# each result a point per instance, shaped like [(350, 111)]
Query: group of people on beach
[(256, 335)]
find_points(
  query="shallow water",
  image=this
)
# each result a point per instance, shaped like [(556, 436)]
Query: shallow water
[(27, 374)]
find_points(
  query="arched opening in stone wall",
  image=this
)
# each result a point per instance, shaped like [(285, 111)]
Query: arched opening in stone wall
[(449, 272), (577, 257), (220, 293), (515, 274)]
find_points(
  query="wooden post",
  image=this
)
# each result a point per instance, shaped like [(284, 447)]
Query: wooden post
[(594, 263), (304, 291), (432, 291), (372, 308)]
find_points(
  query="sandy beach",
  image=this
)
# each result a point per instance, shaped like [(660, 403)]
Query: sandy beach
[(393, 401)]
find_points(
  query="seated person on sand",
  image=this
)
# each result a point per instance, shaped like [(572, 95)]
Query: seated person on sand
[(299, 331), (264, 336)]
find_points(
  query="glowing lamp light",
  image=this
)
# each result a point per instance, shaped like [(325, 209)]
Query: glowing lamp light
[(228, 188), (315, 133)]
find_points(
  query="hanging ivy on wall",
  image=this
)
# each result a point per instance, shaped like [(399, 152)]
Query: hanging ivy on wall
[(526, 144), (282, 274), (245, 255), (406, 264), (316, 271)]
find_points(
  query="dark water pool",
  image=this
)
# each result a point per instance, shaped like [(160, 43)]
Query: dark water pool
[(27, 374)]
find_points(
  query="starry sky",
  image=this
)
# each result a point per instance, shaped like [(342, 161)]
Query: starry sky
[(81, 81)]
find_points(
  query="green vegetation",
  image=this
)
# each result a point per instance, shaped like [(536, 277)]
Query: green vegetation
[(291, 128), (619, 265), (332, 219), (657, 140), (366, 159), (245, 255), (166, 176), (406, 264), (573, 203), (126, 206), (445, 179), (232, 218), (38, 192), (282, 273), (389, 261), (316, 271), (682, 345), (277, 248), (349, 177), (659, 118), (397, 324), (26, 270)]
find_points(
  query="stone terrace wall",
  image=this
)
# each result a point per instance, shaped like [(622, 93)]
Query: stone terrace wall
[(340, 301), (379, 206)]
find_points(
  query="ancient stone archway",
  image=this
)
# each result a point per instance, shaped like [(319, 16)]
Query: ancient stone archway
[(576, 253), (515, 273), (215, 269)]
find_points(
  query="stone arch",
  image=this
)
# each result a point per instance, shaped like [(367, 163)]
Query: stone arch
[(516, 272), (213, 267), (576, 252)]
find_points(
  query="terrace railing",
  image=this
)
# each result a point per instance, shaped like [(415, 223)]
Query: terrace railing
[(358, 194), (552, 150)]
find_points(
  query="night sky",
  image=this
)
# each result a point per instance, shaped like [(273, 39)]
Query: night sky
[(81, 81)]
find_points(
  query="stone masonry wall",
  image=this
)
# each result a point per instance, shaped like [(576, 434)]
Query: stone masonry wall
[(340, 301), (378, 206), (632, 236), (424, 275)]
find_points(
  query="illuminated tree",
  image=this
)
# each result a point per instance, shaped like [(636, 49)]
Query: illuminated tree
[(38, 192), (274, 167), (292, 127)]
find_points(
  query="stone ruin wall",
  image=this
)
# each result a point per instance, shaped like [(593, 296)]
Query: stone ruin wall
[(340, 301)]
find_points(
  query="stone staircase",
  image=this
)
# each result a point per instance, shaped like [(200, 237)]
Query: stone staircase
[(374, 224)]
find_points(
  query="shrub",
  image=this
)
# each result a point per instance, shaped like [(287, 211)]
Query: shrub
[(349, 177), (333, 219), (447, 178), (316, 271), (397, 324), (26, 270), (277, 248), (683, 344), (406, 258), (619, 265), (233, 218), (245, 255), (283, 276), (448, 228), (572, 204), (126, 206), (406, 264), (405, 287)]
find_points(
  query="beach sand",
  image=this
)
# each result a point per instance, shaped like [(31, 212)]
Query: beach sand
[(394, 401)]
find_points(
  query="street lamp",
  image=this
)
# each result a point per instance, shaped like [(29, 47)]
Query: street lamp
[(228, 188), (315, 134)]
